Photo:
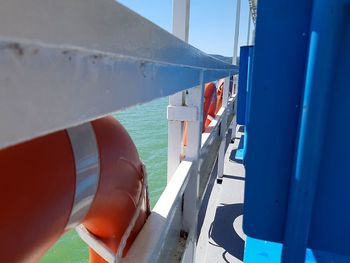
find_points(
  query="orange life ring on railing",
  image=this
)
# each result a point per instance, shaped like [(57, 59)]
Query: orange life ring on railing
[(208, 108), (209, 104), (89, 174), (219, 95)]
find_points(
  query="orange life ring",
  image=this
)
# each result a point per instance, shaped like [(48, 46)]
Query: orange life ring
[(208, 108), (219, 95), (209, 104), (55, 182)]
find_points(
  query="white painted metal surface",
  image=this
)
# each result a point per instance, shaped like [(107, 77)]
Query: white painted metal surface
[(182, 113), (190, 204), (158, 238), (222, 150), (65, 62), (235, 42), (181, 15), (194, 128), (211, 141), (100, 25), (248, 31), (234, 120), (181, 19), (175, 135)]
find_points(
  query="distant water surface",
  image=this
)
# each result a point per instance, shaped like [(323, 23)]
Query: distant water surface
[(147, 126)]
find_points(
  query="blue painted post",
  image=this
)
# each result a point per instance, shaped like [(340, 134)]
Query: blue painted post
[(242, 85), (326, 21), (244, 91), (279, 64), (297, 160)]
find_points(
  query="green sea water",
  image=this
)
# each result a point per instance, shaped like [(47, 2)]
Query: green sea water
[(147, 125)]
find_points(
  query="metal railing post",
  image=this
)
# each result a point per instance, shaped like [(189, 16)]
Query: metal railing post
[(190, 199), (221, 156), (235, 62), (181, 14), (235, 44)]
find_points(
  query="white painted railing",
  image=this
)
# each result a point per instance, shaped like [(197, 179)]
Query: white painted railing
[(63, 63), (169, 233), (164, 237)]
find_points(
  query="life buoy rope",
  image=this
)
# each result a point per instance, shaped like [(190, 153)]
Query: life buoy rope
[(81, 229), (134, 218)]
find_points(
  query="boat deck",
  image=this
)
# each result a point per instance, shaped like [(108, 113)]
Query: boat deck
[(221, 237)]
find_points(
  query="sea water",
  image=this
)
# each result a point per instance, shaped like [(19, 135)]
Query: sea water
[(147, 126)]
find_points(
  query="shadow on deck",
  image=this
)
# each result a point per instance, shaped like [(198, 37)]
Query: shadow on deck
[(222, 231), (221, 238)]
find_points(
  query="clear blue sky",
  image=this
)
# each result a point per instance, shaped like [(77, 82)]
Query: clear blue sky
[(211, 21)]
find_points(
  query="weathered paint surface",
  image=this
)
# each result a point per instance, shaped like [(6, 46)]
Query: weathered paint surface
[(57, 73)]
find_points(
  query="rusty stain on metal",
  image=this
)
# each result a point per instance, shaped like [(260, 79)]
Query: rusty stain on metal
[(96, 57), (16, 47), (143, 64)]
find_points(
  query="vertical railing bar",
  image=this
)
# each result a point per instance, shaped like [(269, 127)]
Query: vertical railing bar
[(235, 62), (181, 13), (194, 136), (221, 156), (235, 44)]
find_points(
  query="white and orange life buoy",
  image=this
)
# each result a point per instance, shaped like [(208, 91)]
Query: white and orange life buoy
[(209, 104), (89, 174), (219, 95), (208, 108)]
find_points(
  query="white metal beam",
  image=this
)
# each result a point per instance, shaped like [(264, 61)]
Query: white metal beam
[(182, 113), (102, 25), (63, 63), (236, 37)]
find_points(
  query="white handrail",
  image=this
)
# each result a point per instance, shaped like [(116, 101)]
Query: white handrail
[(63, 63), (159, 238)]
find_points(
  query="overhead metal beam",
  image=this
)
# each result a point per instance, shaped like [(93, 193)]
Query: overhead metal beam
[(66, 62)]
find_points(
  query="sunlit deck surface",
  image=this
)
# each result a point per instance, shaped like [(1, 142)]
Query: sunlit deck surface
[(221, 238)]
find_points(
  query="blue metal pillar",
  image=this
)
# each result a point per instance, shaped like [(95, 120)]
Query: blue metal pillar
[(244, 90), (324, 34)]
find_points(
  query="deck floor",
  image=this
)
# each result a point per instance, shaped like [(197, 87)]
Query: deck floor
[(221, 238)]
